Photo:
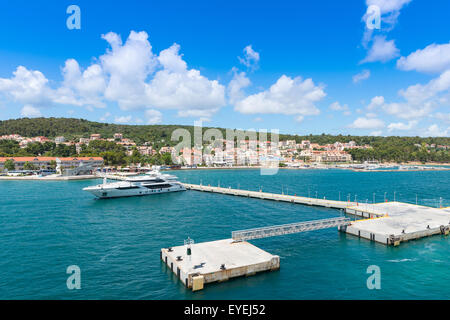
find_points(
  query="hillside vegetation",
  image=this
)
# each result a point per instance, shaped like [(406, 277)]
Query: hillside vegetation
[(384, 148)]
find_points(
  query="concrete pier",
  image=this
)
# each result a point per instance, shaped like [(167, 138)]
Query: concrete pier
[(217, 261), (391, 223), (272, 196)]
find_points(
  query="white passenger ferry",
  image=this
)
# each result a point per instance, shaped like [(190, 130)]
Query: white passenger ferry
[(151, 183)]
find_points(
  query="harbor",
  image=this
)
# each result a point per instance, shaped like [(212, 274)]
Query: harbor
[(225, 159), (118, 239), (388, 223)]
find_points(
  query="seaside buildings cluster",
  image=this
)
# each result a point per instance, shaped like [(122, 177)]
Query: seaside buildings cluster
[(219, 153), (253, 152), (65, 165)]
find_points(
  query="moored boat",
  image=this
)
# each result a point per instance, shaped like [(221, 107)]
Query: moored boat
[(151, 183)]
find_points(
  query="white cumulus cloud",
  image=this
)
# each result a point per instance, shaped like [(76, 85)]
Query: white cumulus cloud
[(250, 59), (127, 67), (443, 116), (382, 50), (419, 100), (235, 86), (30, 111), (172, 60), (105, 116), (435, 131), (375, 102), (363, 75), (153, 116), (387, 6), (366, 123), (123, 119), (402, 126), (176, 87), (433, 58), (389, 11), (336, 106), (376, 133), (81, 88), (27, 87), (128, 74), (288, 96)]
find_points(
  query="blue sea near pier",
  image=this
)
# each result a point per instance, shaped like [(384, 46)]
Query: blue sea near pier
[(47, 226)]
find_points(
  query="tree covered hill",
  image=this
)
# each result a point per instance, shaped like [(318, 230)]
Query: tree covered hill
[(72, 128), (75, 128), (384, 148)]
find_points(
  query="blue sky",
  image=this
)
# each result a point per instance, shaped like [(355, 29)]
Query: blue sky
[(287, 65)]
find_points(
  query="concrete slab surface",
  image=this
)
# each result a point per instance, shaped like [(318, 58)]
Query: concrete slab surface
[(218, 260), (405, 221)]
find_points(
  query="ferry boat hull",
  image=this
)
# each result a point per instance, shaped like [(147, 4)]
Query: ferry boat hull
[(151, 183), (107, 193)]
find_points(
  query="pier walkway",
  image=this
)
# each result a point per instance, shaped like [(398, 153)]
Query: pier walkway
[(272, 196), (258, 233)]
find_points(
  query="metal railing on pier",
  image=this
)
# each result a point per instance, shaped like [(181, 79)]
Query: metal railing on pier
[(279, 230), (272, 196)]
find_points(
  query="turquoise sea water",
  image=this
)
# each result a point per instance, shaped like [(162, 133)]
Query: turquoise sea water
[(47, 226)]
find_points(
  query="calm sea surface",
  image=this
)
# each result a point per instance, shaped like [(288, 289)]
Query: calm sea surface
[(47, 226)]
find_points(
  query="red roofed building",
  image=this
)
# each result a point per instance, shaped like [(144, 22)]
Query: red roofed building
[(40, 139)]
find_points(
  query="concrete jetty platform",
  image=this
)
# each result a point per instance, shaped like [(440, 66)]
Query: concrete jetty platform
[(272, 196), (391, 223), (217, 261)]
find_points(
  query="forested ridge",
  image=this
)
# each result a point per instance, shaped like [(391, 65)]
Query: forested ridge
[(392, 148)]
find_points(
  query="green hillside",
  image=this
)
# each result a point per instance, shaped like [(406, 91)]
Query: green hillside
[(384, 148)]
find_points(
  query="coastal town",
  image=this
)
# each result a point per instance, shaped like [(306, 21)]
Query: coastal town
[(244, 153), (225, 159), (219, 154)]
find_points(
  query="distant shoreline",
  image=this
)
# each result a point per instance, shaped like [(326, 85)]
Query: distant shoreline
[(441, 167)]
